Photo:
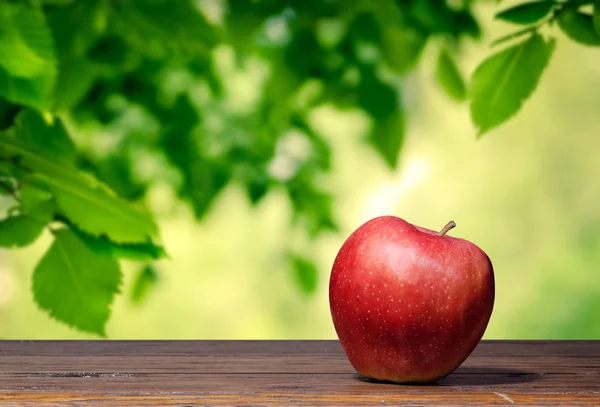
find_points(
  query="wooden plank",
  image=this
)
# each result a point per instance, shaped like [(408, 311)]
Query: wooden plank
[(531, 348), (285, 373), (168, 348), (296, 399), (301, 382), (264, 363), (272, 357)]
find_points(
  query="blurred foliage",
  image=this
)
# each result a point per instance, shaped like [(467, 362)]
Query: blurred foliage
[(156, 84), (145, 280), (305, 274)]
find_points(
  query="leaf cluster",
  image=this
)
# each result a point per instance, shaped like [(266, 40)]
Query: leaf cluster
[(503, 81), (78, 277)]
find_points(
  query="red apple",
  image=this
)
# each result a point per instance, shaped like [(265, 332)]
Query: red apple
[(409, 304)]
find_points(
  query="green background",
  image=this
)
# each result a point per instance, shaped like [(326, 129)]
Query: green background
[(527, 193)]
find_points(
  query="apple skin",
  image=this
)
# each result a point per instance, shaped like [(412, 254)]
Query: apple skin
[(408, 305)]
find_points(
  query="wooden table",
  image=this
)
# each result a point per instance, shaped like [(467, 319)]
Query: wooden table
[(286, 373)]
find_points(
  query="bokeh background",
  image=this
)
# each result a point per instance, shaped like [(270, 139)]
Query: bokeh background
[(527, 192)]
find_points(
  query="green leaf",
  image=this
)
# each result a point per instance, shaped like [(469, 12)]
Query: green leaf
[(7, 173), (449, 77), (402, 47), (365, 27), (431, 16), (203, 178), (7, 187), (513, 35), (75, 78), (109, 50), (159, 28), (466, 24), (75, 285), (527, 13), (19, 230), (503, 81), (257, 187), (86, 202), (50, 139), (376, 97), (8, 113), (596, 17), (117, 171), (75, 28), (243, 21), (381, 102), (387, 137), (303, 55), (311, 204), (145, 280), (305, 274), (37, 202), (321, 154), (27, 63), (102, 246), (578, 26), (33, 196)]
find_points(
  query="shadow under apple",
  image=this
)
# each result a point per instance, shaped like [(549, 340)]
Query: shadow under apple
[(467, 376)]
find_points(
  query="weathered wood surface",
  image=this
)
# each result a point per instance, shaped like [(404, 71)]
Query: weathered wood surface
[(284, 373)]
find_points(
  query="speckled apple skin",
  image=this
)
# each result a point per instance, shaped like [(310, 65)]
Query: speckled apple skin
[(409, 306)]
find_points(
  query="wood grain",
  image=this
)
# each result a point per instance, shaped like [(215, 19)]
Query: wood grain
[(284, 373)]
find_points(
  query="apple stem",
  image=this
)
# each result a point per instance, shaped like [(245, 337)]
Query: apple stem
[(446, 228)]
